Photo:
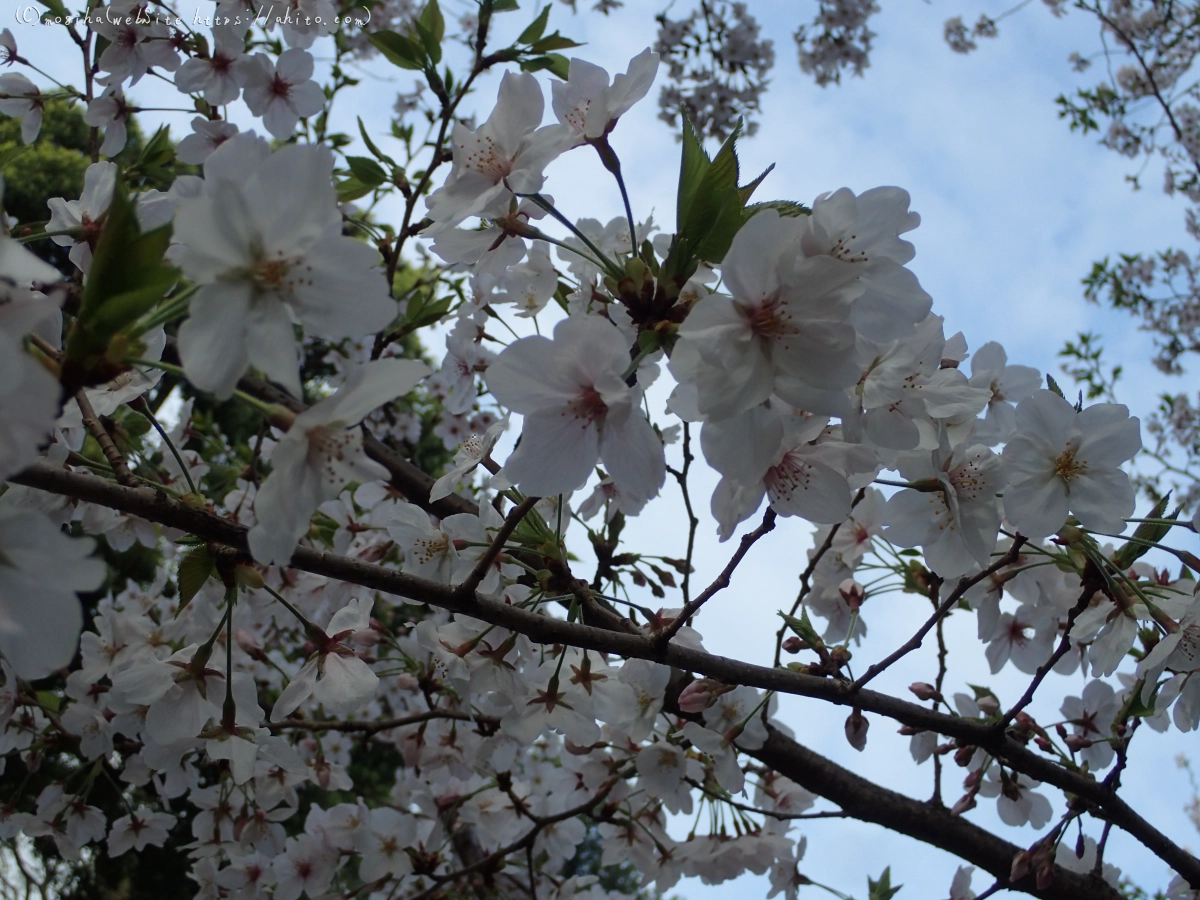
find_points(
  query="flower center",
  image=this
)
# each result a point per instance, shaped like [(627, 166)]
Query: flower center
[(589, 405), (1067, 467), (771, 319)]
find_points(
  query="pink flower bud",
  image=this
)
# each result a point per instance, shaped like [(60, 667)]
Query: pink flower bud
[(965, 802), (367, 637), (1021, 866), (852, 592), (1077, 742), (701, 694), (793, 645), (856, 730), (925, 691), (988, 705)]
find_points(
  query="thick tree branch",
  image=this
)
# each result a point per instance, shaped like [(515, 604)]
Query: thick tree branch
[(149, 504), (931, 824)]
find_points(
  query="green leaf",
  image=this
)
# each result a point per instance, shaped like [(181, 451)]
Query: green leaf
[(505, 5), (556, 64), (194, 571), (786, 208), (803, 627), (424, 309), (352, 189), (554, 42), (882, 889), (375, 151), (536, 29), (366, 170), (746, 191), (127, 278), (431, 44), (1052, 385), (56, 7), (399, 50), (433, 20), (49, 700), (1131, 551), (692, 167)]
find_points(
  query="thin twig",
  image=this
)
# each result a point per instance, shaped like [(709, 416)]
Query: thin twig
[(514, 518), (964, 585), (722, 580), (96, 429)]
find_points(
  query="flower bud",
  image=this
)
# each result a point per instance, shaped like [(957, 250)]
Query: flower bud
[(1077, 742), (856, 730), (852, 592), (965, 802), (793, 644), (988, 705), (973, 778), (962, 756), (926, 691), (701, 694), (367, 637), (1021, 866), (248, 576)]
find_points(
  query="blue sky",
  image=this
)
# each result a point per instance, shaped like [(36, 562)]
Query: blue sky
[(1015, 208)]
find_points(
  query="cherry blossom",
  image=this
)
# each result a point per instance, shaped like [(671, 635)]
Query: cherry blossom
[(1062, 461), (788, 314), (506, 154), (333, 676), (20, 98), (321, 453), (261, 261), (589, 106), (41, 569), (281, 92), (578, 410), (955, 516)]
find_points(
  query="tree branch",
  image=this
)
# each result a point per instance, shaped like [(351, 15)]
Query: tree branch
[(931, 824), (722, 580), (964, 585), (149, 504)]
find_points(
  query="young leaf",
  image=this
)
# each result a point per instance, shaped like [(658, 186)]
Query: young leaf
[(366, 170), (882, 889), (398, 49), (536, 28), (375, 151), (194, 570), (433, 20)]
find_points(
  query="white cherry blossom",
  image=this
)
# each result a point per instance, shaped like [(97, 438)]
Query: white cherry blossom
[(267, 250), (589, 106), (321, 453), (41, 569), (506, 153), (578, 409), (1060, 461)]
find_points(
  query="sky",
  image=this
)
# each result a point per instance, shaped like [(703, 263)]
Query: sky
[(1015, 208)]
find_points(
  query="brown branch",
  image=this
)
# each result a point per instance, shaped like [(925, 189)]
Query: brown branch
[(808, 573), (964, 585), (96, 429), (407, 478), (722, 580), (931, 824), (467, 589), (370, 728), (544, 629), (1091, 583)]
